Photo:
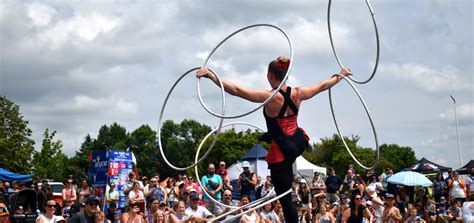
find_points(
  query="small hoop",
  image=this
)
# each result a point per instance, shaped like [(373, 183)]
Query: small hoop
[(160, 122), (271, 96), (376, 37), (371, 123), (196, 170)]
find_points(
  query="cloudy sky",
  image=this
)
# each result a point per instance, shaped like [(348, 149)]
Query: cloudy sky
[(73, 66)]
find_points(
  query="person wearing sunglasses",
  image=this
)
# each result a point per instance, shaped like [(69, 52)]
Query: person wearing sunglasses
[(48, 214), (87, 215), (357, 210)]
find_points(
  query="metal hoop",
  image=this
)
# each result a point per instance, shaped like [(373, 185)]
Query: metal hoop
[(271, 96), (196, 170), (160, 122), (376, 35), (371, 123), (251, 209)]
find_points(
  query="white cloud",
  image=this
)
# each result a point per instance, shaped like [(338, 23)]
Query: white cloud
[(40, 14), (464, 112), (448, 78)]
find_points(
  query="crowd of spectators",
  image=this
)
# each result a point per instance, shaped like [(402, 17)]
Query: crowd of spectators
[(352, 197)]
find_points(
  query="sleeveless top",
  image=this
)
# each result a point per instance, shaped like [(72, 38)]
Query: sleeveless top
[(250, 218), (47, 220), (357, 218), (324, 219), (287, 140), (245, 186)]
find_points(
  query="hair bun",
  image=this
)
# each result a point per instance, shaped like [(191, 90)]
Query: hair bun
[(283, 62)]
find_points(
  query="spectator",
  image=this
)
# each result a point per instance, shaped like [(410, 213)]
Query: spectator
[(317, 184), (192, 186), (457, 188), (99, 217), (153, 205), (384, 177), (439, 187), (84, 192), (442, 215), (324, 216), (247, 182), (413, 217), (111, 195), (294, 193), (422, 211), (154, 189), (198, 213), (470, 183), (304, 193), (267, 215), (402, 199), (357, 210), (144, 182), (212, 183), (303, 213), (333, 186), (227, 200), (391, 213), (66, 209), (279, 211), (172, 191), (68, 193), (48, 215), (226, 184), (468, 210), (267, 188), (179, 181), (87, 215), (133, 214), (377, 203), (136, 195), (249, 217), (222, 171), (179, 214), (357, 186), (160, 217), (111, 212), (349, 180), (184, 197), (129, 186), (374, 182), (455, 210)]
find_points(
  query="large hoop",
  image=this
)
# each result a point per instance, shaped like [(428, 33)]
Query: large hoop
[(271, 96), (160, 122), (196, 170), (376, 36), (371, 123)]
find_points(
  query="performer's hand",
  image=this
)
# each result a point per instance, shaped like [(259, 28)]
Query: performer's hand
[(346, 72), (203, 72)]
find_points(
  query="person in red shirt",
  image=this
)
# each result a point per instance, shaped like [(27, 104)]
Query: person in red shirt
[(287, 140), (222, 171)]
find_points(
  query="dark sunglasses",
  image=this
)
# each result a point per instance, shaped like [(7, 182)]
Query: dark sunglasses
[(227, 195), (93, 204), (357, 198), (51, 206)]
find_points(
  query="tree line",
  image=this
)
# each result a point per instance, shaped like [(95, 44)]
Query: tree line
[(179, 140)]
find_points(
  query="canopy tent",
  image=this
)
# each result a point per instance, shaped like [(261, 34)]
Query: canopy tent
[(256, 157), (425, 166), (465, 169), (306, 169), (6, 175)]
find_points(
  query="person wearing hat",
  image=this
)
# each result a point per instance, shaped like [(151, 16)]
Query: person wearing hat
[(376, 203), (212, 184), (198, 213), (87, 215), (391, 213), (247, 182)]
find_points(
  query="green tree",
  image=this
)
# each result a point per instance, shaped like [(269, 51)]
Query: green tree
[(142, 143), (15, 138), (396, 157), (113, 137), (50, 161)]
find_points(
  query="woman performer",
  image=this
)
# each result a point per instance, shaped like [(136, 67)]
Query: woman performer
[(288, 141)]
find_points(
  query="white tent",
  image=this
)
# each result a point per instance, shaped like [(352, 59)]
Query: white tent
[(259, 166), (306, 169)]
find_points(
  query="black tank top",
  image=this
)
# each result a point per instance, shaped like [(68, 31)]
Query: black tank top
[(357, 218)]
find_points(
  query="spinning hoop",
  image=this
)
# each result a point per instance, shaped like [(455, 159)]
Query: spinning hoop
[(371, 123), (376, 36), (160, 122), (196, 170), (271, 96)]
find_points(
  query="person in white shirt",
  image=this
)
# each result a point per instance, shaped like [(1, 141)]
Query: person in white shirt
[(198, 213)]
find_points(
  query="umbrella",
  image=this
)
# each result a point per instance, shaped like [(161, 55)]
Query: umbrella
[(410, 178)]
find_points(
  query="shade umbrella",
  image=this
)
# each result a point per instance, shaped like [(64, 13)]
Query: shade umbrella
[(410, 178)]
